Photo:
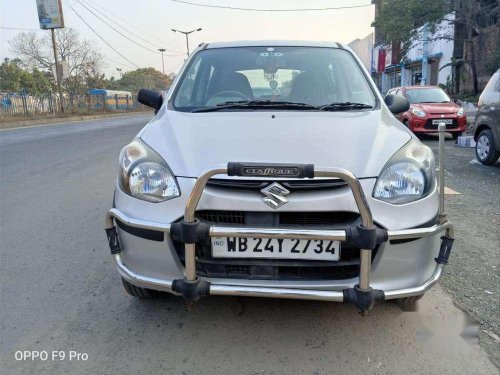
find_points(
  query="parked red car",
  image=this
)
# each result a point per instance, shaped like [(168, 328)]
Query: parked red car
[(429, 105)]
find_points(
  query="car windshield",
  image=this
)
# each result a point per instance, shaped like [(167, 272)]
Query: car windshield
[(430, 95), (272, 77)]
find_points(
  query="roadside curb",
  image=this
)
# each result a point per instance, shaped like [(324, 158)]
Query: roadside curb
[(58, 120)]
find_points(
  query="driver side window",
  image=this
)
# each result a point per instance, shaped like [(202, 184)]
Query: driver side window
[(186, 92)]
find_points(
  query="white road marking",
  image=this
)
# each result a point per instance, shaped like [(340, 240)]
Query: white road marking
[(448, 191)]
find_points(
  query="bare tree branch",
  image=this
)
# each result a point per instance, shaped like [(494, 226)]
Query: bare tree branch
[(83, 56)]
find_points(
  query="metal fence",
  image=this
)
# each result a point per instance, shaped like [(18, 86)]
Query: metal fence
[(23, 105)]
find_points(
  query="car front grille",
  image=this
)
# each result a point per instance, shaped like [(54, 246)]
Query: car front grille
[(276, 269), (222, 217), (275, 218), (316, 184)]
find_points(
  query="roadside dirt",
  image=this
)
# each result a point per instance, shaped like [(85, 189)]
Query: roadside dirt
[(11, 123), (473, 273)]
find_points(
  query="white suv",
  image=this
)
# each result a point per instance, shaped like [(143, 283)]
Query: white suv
[(276, 169)]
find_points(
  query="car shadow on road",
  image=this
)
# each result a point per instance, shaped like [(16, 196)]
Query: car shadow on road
[(297, 334), (257, 336)]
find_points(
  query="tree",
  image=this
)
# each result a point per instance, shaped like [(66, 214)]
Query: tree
[(98, 81), (472, 16), (14, 78), (83, 57), (399, 21), (149, 78), (9, 76)]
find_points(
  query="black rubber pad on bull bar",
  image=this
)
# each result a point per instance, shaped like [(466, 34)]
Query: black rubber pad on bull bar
[(190, 232), (114, 243), (444, 250), (363, 299), (365, 238)]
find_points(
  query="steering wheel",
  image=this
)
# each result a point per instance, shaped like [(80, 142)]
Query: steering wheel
[(229, 94)]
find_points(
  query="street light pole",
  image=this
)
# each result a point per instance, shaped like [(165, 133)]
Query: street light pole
[(186, 33), (162, 62)]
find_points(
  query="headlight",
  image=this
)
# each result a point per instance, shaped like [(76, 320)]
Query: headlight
[(460, 112), (145, 175), (418, 112), (408, 176)]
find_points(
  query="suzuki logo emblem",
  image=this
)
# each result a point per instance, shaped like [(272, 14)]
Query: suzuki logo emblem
[(275, 195)]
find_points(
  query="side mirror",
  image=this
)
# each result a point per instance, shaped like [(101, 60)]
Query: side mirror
[(150, 98), (397, 103)]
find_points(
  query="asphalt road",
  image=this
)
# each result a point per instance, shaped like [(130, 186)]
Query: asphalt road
[(60, 291)]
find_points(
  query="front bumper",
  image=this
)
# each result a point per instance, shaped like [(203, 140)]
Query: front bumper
[(366, 237), (221, 288), (425, 124)]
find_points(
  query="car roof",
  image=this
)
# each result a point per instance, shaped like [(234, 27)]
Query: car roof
[(272, 43)]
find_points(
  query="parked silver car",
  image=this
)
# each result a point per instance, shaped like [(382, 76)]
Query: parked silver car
[(487, 122), (276, 169)]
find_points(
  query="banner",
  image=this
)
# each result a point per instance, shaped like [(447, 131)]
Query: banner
[(50, 14)]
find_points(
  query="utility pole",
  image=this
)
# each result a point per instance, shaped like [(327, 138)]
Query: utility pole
[(50, 16), (162, 62), (425, 55), (120, 72), (58, 70), (186, 33)]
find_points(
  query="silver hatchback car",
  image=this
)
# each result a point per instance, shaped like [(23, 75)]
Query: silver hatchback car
[(276, 169)]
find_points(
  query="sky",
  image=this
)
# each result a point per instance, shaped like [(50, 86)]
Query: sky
[(153, 20)]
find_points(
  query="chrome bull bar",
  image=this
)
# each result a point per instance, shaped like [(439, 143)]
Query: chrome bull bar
[(366, 237), (278, 292), (348, 177)]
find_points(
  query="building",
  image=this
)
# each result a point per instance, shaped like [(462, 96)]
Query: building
[(439, 58), (363, 48), (428, 61)]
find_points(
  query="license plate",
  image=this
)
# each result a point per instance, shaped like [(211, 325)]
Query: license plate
[(273, 248), (439, 121)]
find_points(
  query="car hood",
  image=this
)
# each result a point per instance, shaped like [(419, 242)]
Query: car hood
[(360, 142), (437, 108)]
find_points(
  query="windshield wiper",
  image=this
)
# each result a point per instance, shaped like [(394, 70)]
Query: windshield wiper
[(343, 106), (256, 104)]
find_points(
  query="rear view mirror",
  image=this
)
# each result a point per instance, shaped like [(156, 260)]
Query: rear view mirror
[(150, 98), (397, 103)]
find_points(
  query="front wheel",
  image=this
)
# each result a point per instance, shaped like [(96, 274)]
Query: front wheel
[(409, 303), (485, 148), (137, 292)]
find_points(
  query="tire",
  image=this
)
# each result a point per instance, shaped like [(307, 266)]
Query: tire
[(486, 148), (455, 135), (137, 292), (409, 303)]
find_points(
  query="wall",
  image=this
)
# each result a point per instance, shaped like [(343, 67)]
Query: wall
[(437, 46), (486, 45), (363, 48)]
